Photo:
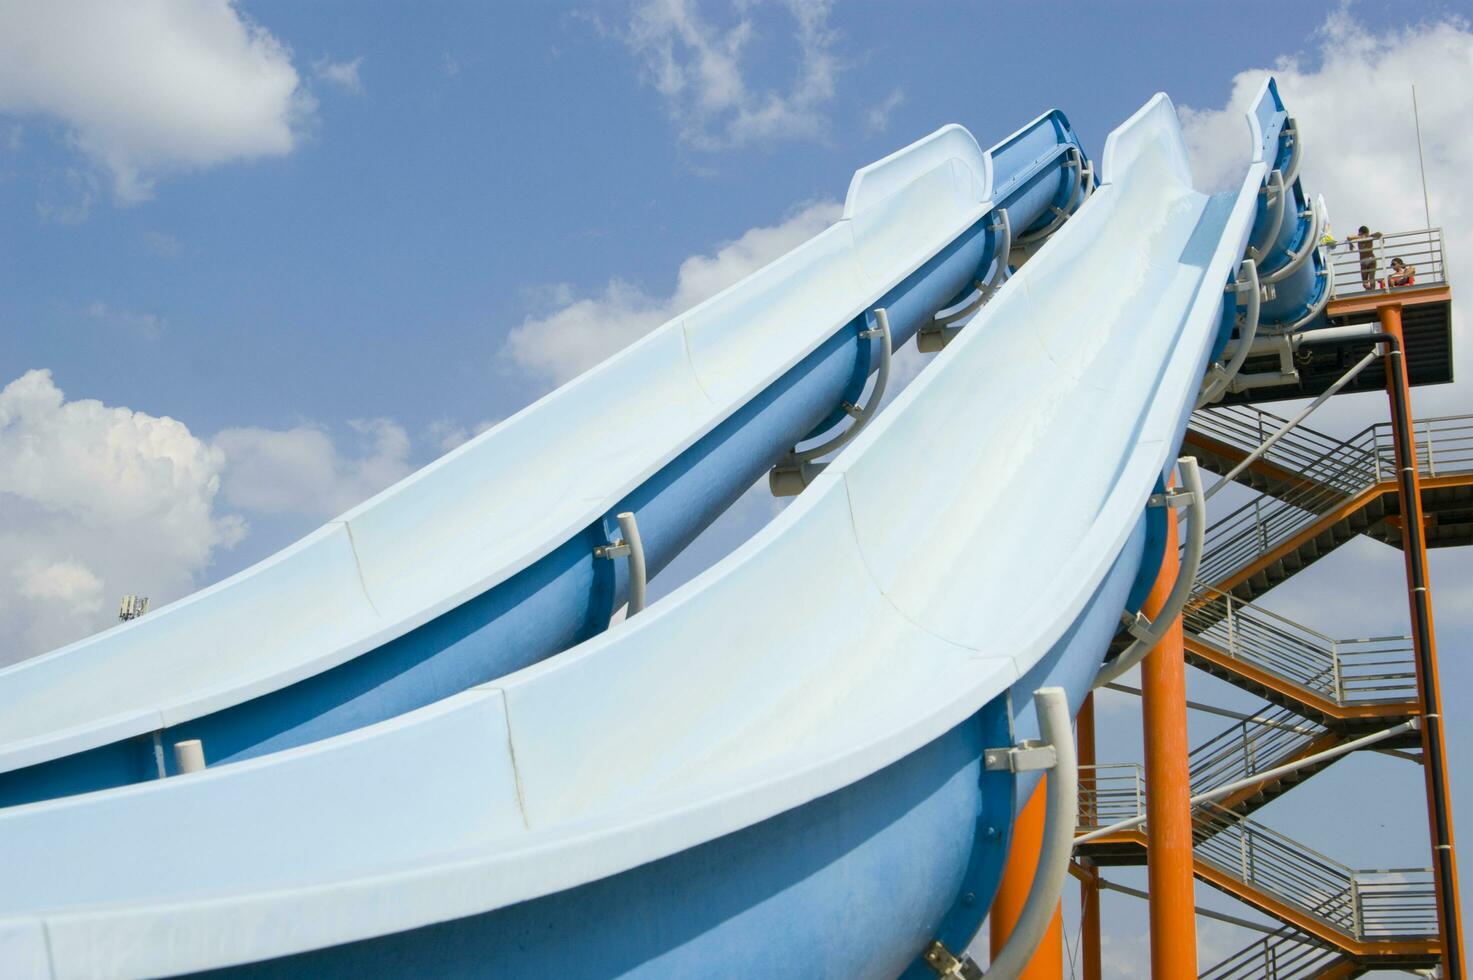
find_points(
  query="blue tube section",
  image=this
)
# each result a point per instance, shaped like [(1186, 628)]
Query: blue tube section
[(777, 899), (568, 595)]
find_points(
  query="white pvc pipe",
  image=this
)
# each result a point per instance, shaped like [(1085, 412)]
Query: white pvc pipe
[(1248, 276), (630, 529), (189, 755), (1060, 815), (1181, 590)]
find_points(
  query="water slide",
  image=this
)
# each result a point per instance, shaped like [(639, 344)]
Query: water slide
[(778, 769), (489, 559)]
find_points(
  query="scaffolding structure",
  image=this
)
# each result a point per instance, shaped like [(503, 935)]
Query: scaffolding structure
[(1191, 813)]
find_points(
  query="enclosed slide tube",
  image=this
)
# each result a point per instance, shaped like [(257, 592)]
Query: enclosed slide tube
[(499, 554), (778, 771)]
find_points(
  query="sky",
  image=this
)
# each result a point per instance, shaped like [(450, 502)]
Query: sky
[(261, 260)]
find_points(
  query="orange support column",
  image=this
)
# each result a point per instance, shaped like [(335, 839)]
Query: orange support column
[(1017, 880), (1168, 788), (1424, 643), (1089, 887)]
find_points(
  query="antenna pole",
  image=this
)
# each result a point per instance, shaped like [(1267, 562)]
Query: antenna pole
[(1421, 163)]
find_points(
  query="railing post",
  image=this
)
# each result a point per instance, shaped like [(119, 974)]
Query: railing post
[(1335, 667), (1427, 441), (1231, 626), (1357, 918)]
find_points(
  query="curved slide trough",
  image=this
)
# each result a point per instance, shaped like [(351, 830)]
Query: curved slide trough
[(484, 561), (774, 772)]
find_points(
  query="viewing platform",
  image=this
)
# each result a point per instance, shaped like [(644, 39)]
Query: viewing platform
[(1360, 284)]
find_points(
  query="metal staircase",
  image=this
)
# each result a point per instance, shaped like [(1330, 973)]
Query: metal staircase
[(1283, 955), (1317, 492), (1346, 684), (1372, 917)]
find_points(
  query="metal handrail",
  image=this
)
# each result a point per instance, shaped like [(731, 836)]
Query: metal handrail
[(1354, 272), (1285, 955), (1331, 471), (1249, 747), (1367, 670), (1362, 904)]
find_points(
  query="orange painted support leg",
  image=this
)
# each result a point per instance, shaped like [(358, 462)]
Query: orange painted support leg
[(1424, 643), (1168, 789), (1089, 888), (1017, 881)]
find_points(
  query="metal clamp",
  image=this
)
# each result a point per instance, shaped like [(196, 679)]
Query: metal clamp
[(1220, 376), (632, 547), (797, 469), (1029, 755), (1146, 632), (934, 336)]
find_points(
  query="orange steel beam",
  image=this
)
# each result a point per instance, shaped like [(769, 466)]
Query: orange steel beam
[(1089, 883), (1288, 914), (1017, 881), (1375, 301), (1290, 690), (1168, 787), (1424, 643)]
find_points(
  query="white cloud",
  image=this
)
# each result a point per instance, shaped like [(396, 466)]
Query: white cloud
[(96, 501), (151, 87), (301, 471), (699, 70), (1354, 109), (877, 117), (583, 332), (342, 74)]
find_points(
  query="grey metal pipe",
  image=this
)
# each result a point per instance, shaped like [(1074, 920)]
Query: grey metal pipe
[(630, 529), (1148, 634), (935, 336), (1284, 429), (1247, 281), (1275, 188), (1061, 813), (1306, 248), (1264, 776)]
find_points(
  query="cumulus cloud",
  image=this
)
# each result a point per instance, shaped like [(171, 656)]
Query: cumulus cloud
[(1354, 108), (340, 74), (151, 87), (302, 471), (699, 69), (584, 331), (96, 501)]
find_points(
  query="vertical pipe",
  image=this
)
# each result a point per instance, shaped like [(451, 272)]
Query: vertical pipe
[(1168, 787), (1424, 643), (1089, 889), (1017, 881), (189, 755)]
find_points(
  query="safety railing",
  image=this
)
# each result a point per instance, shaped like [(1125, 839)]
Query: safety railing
[(1248, 747), (1109, 793), (1361, 265), (1345, 671), (1363, 905), (1333, 471), (1284, 955)]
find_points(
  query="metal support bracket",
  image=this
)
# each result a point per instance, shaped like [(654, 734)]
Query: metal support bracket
[(1275, 188), (1146, 633), (1246, 287), (797, 469), (632, 547), (948, 965), (1029, 755), (934, 336), (1306, 248)]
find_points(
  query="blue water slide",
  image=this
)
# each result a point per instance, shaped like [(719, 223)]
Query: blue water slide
[(488, 559), (779, 769)]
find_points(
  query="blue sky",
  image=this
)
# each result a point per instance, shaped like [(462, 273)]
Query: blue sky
[(332, 239)]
